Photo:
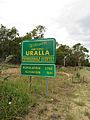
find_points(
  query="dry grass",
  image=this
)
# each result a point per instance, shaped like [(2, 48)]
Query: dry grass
[(66, 101)]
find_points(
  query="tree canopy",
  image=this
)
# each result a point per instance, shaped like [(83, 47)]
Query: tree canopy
[(65, 55), (74, 56), (37, 32)]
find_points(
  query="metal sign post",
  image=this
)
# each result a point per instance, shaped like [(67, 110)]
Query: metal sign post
[(46, 87), (30, 82)]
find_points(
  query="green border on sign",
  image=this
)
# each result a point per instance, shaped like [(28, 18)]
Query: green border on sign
[(37, 40), (42, 75)]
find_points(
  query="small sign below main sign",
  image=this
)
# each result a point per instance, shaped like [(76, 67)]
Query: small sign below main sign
[(39, 51), (47, 70)]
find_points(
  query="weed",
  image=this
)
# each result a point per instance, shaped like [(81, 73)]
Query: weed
[(78, 75), (69, 117), (79, 103), (14, 99), (87, 114)]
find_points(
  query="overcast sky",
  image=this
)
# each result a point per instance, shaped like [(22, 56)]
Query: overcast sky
[(66, 20)]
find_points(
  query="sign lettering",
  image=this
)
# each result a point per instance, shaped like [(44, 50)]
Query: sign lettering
[(38, 70), (38, 57), (39, 51)]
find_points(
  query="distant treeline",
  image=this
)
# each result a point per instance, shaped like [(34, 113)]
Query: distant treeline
[(65, 55), (72, 56)]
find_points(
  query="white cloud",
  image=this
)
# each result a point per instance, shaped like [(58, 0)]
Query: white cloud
[(64, 19), (75, 18), (26, 13)]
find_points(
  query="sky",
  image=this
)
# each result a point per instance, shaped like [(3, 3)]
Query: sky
[(68, 21)]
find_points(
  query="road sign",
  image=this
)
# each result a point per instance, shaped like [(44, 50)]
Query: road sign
[(47, 70), (39, 51)]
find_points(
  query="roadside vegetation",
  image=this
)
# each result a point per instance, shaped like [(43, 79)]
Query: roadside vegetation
[(69, 91), (68, 99)]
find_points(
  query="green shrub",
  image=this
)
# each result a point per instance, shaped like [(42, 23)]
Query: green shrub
[(14, 101), (78, 75)]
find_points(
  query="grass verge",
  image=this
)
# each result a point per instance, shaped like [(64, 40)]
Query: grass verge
[(15, 98)]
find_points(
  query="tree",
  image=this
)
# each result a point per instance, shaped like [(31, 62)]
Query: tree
[(61, 53), (9, 40), (80, 54), (6, 36), (28, 36), (75, 56), (37, 32)]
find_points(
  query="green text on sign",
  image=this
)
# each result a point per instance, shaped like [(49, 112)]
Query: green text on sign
[(47, 70), (39, 51)]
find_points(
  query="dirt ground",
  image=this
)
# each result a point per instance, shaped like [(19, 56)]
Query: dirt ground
[(66, 100), (11, 71)]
